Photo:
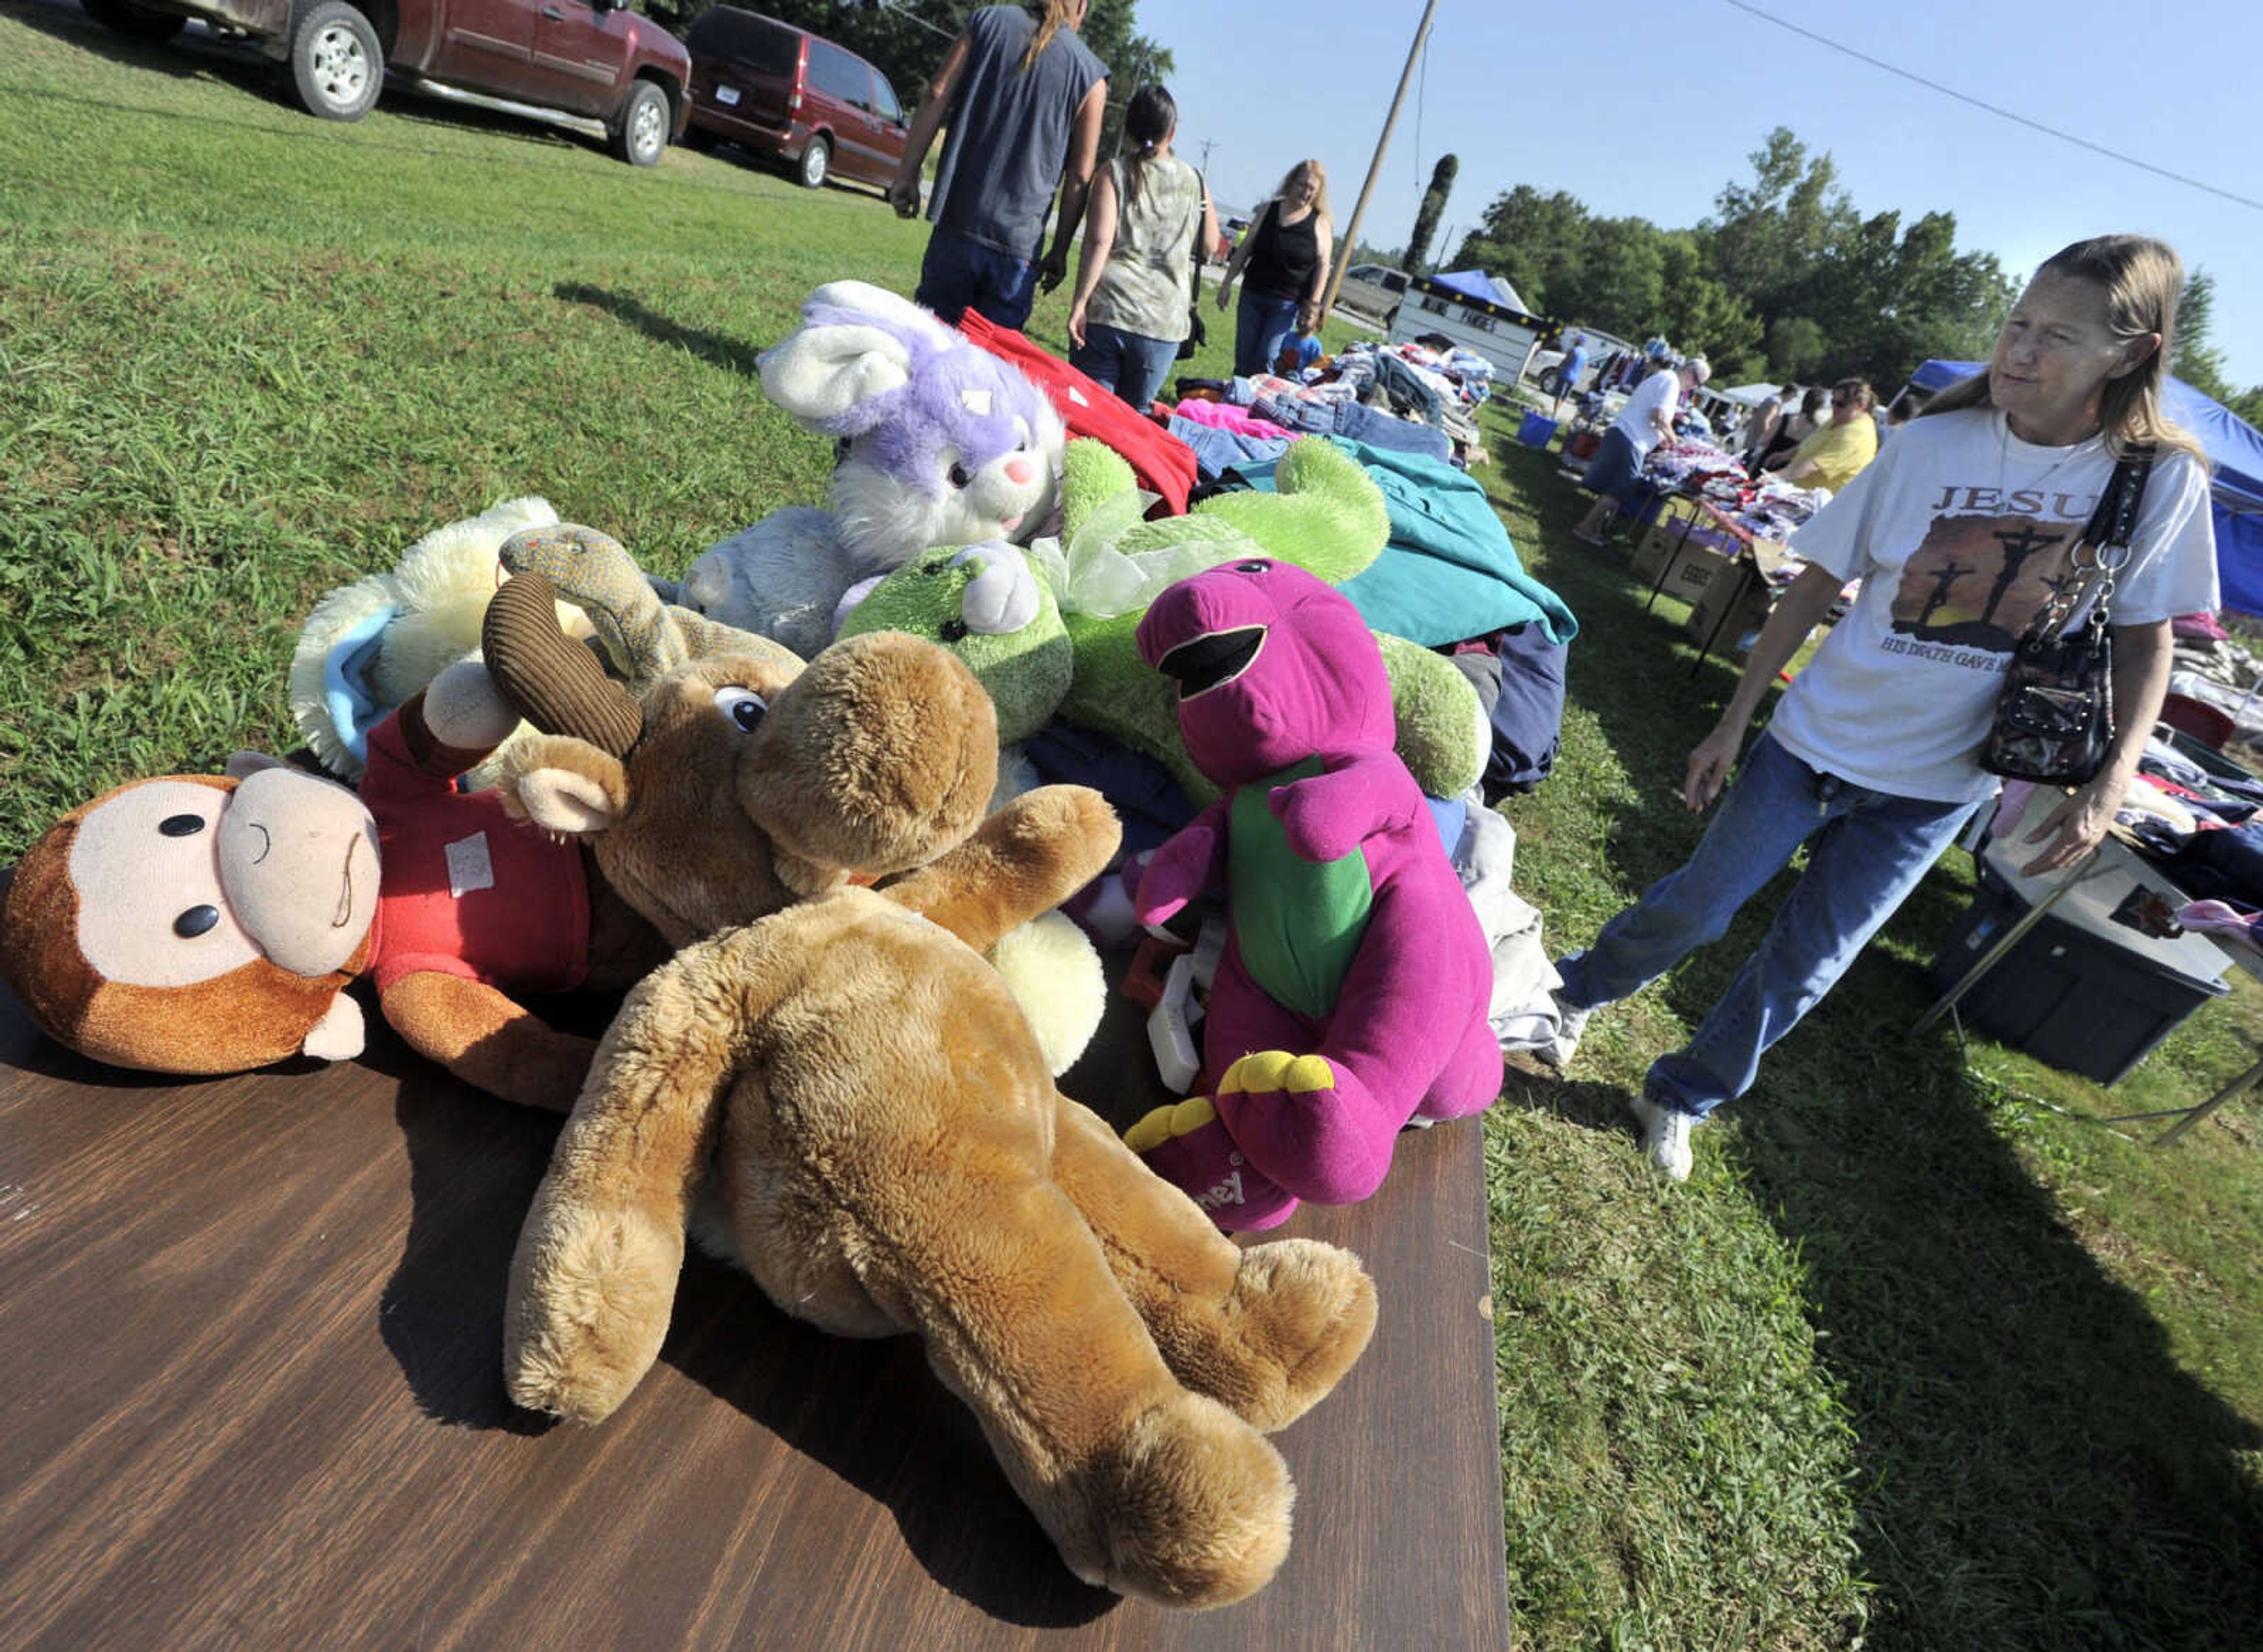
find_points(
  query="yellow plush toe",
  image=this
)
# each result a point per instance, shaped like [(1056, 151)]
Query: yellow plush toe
[(1150, 1133), (1191, 1115), (1256, 1072), (1277, 1070), (1180, 1118)]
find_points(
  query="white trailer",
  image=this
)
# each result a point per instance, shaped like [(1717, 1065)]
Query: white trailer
[(1504, 336)]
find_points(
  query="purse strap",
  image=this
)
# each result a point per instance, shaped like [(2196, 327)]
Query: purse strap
[(1202, 209), (2109, 530)]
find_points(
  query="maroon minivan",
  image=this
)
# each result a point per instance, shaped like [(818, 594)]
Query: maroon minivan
[(777, 89)]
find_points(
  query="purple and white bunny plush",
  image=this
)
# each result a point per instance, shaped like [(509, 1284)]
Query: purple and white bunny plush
[(946, 444)]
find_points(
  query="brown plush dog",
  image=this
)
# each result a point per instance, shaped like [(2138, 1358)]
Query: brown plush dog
[(887, 1150)]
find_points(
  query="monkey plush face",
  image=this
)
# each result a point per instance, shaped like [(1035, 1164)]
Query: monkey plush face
[(197, 923)]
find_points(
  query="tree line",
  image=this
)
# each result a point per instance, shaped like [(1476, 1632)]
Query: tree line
[(1785, 281)]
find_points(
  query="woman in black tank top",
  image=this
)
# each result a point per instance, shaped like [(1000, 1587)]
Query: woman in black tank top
[(1284, 258)]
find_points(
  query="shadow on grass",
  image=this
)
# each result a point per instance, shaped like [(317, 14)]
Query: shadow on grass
[(2036, 1467), (735, 354)]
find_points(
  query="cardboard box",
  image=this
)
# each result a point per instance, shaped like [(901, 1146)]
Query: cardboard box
[(1695, 569), (1664, 540), (1738, 604)]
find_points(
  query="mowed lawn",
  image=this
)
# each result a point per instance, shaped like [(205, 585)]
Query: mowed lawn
[(1922, 1357)]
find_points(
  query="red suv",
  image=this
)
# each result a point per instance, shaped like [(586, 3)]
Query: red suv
[(777, 89)]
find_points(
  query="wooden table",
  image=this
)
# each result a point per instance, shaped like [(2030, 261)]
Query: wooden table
[(250, 1335)]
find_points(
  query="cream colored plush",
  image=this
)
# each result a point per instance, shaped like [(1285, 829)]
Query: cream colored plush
[(431, 604), (885, 1144)]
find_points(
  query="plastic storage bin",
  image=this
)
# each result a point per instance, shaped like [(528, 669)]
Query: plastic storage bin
[(1537, 430), (2080, 991)]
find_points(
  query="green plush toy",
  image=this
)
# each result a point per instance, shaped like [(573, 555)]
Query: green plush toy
[(1065, 641), (982, 603)]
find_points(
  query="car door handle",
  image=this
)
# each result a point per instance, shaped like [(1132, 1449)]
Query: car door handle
[(556, 14)]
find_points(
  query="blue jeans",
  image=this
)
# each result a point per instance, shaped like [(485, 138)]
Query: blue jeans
[(1260, 327), (1871, 849), (1132, 365), (957, 275)]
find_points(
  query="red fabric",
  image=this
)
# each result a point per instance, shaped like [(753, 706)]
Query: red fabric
[(527, 932), (1164, 463)]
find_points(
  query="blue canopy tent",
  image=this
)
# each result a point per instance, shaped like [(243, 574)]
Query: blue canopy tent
[(1478, 284), (2236, 449)]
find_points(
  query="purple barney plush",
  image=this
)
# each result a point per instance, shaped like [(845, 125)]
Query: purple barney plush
[(1352, 996)]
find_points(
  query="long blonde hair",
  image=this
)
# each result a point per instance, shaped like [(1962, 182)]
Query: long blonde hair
[(1320, 186), (1056, 19), (2143, 279)]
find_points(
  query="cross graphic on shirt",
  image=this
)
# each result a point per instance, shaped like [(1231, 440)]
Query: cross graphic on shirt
[(2019, 545), (1945, 575)]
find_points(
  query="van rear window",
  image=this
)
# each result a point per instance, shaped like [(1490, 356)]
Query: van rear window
[(762, 45)]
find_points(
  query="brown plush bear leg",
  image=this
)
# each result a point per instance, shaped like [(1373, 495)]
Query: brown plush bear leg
[(1267, 1330), (1145, 1488), (593, 1281)]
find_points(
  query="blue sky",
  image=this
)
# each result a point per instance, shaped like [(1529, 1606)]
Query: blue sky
[(1648, 107)]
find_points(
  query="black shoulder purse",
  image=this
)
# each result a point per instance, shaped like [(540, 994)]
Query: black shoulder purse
[(1198, 335), (2056, 717)]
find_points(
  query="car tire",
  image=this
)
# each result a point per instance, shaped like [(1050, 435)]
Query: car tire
[(640, 132), (123, 17), (1548, 381), (337, 64), (816, 161)]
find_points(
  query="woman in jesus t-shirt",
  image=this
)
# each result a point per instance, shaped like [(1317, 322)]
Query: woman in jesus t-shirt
[(1961, 532)]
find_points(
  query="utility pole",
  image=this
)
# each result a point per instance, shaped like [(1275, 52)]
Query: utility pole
[(1351, 232), (1206, 145), (1138, 79)]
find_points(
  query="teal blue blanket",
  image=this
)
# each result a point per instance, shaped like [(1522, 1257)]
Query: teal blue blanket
[(1450, 571)]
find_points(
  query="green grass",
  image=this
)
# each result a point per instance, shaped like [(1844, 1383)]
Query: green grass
[(1922, 1356)]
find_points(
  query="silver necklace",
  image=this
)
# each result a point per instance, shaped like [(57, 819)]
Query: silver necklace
[(2004, 455)]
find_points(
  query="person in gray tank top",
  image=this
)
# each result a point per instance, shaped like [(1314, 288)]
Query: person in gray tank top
[(1150, 212), (1024, 99)]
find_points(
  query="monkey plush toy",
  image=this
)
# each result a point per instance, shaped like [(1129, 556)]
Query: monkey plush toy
[(211, 924)]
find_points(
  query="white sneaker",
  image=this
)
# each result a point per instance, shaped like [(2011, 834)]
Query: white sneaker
[(1570, 1024), (1665, 1136)]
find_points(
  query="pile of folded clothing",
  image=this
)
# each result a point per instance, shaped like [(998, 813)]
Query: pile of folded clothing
[(2201, 826), (1279, 407)]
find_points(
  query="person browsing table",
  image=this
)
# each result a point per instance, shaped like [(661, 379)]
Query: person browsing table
[(1831, 456), (1646, 420)]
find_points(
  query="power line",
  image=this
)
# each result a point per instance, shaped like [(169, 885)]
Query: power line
[(1950, 91)]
